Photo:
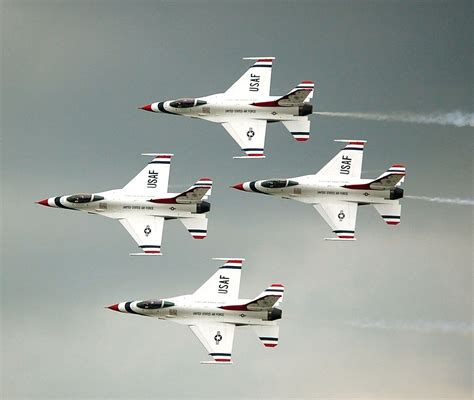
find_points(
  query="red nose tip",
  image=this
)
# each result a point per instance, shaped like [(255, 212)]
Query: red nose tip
[(146, 108), (239, 186), (114, 307), (43, 202)]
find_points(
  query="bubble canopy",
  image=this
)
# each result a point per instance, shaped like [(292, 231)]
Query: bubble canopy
[(187, 103), (154, 304), (278, 183), (84, 198)]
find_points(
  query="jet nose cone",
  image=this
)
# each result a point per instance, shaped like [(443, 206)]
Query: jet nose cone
[(146, 108), (43, 202), (114, 307), (239, 186)]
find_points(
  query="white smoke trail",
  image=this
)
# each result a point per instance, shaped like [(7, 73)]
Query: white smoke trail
[(445, 327), (458, 201), (456, 118)]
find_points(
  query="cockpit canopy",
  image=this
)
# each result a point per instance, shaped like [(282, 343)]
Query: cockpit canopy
[(187, 103), (278, 183), (154, 304), (83, 198)]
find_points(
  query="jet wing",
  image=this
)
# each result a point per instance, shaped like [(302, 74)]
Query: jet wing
[(147, 231), (340, 216), (346, 165), (217, 338), (153, 179), (249, 135), (255, 82), (224, 285)]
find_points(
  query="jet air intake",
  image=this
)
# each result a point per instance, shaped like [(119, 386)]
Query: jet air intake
[(203, 207), (274, 314), (396, 193), (305, 109)]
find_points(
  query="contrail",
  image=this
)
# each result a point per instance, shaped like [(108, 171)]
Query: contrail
[(455, 118), (445, 327), (458, 201)]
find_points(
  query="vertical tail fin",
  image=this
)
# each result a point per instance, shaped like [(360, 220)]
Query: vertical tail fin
[(271, 297), (394, 176), (198, 192), (302, 93)]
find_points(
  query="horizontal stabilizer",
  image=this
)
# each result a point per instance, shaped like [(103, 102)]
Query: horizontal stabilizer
[(196, 226), (299, 129), (268, 334), (390, 212)]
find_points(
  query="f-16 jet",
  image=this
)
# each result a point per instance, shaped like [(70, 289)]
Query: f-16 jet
[(214, 310), (143, 205), (337, 190), (245, 108)]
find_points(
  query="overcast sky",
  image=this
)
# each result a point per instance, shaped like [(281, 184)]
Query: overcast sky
[(388, 316)]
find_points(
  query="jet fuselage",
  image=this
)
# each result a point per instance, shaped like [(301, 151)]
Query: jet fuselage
[(306, 190), (184, 309), (215, 109), (114, 204)]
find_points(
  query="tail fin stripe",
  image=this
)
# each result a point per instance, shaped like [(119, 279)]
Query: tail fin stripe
[(259, 65), (160, 162)]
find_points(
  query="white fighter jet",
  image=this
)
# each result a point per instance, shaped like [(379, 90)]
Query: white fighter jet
[(143, 205), (337, 190), (214, 310), (245, 108)]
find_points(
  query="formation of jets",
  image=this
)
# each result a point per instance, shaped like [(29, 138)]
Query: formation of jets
[(144, 204)]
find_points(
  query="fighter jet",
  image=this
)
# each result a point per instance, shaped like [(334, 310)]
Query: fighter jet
[(337, 189), (214, 310), (245, 108), (144, 204)]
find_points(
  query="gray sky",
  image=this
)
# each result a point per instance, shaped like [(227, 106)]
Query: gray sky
[(388, 316)]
